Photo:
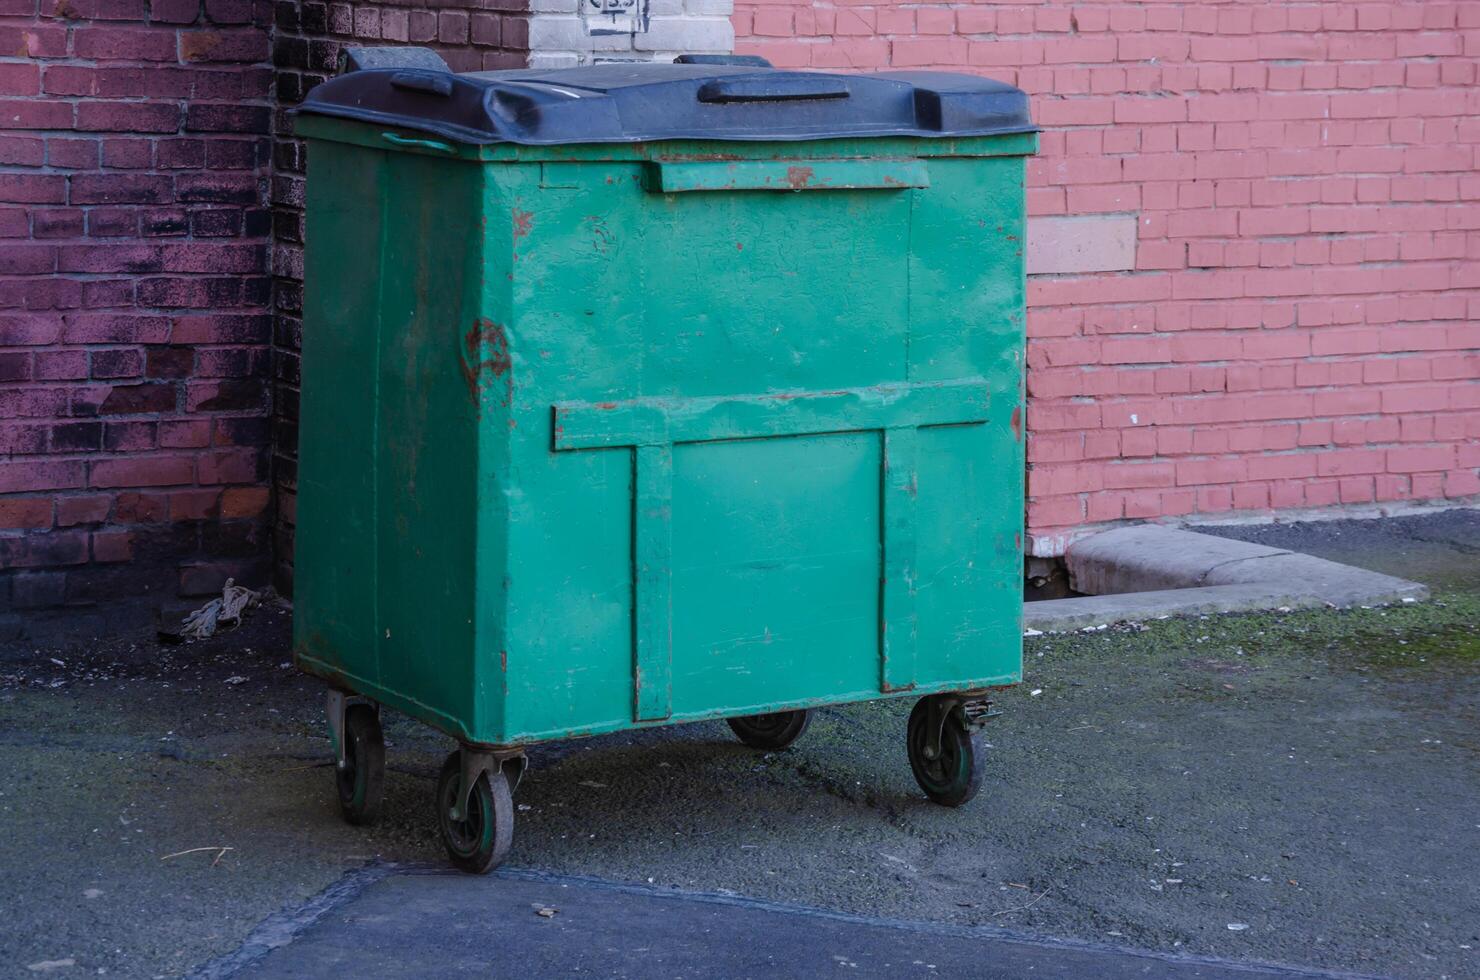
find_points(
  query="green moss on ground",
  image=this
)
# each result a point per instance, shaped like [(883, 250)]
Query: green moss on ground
[(1443, 631)]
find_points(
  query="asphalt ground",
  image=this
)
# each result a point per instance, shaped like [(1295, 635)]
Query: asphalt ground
[(412, 924), (1297, 788)]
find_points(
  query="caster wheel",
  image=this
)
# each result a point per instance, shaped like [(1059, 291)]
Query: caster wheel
[(478, 843), (955, 774), (773, 731), (361, 780)]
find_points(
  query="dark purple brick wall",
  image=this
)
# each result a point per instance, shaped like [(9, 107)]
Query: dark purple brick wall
[(135, 297), (471, 35), (150, 279)]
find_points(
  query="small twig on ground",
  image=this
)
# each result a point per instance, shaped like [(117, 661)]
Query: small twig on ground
[(196, 850), (1021, 908)]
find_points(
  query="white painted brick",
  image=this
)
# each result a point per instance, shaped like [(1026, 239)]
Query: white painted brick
[(1088, 243), (553, 32), (695, 35), (554, 59), (554, 6), (709, 8)]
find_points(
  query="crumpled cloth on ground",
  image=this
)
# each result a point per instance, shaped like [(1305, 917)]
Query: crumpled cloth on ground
[(222, 613)]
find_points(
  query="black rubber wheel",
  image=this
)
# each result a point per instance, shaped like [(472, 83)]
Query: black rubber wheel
[(955, 775), (361, 780), (773, 731), (479, 843)]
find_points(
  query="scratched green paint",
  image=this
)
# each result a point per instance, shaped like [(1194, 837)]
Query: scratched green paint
[(579, 454)]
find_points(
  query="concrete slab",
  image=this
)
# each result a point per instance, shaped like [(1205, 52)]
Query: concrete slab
[(1150, 571), (1062, 615), (529, 925)]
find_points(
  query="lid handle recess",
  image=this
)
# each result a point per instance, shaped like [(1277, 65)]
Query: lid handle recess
[(773, 87), (435, 83)]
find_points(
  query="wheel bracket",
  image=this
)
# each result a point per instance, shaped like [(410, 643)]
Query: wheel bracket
[(475, 762), (336, 705), (974, 707)]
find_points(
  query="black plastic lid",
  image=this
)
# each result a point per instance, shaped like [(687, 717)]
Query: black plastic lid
[(627, 103)]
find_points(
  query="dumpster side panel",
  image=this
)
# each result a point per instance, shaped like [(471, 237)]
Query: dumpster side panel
[(334, 594), (966, 318), (441, 360)]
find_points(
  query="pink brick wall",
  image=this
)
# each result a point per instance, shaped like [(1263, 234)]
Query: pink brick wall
[(1302, 328), (134, 297)]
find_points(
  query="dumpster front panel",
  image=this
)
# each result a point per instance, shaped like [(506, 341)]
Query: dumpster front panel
[(775, 571), (805, 485)]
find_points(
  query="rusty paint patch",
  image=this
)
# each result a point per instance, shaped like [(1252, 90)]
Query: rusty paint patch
[(601, 236), (523, 221), (799, 177), (484, 357), (1017, 423)]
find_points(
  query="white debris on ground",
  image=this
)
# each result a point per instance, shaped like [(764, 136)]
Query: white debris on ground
[(222, 613)]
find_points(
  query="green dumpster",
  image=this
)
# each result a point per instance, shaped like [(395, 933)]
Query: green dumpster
[(643, 394)]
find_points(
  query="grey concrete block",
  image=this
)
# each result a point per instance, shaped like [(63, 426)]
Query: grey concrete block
[(1149, 571), (1147, 557)]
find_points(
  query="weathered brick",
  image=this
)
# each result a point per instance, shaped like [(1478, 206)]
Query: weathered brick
[(119, 189), (25, 512), (128, 117), (33, 188), (43, 550), (237, 502), (124, 44), (112, 546), (139, 398), (223, 46), (141, 471), (72, 510)]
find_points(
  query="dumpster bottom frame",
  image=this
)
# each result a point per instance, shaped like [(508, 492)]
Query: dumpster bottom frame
[(358, 687), (940, 741)]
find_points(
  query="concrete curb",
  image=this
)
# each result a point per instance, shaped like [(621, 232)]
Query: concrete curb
[(1150, 571)]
